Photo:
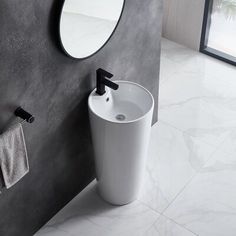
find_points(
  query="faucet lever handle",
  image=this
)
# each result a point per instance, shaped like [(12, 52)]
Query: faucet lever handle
[(104, 73), (102, 80)]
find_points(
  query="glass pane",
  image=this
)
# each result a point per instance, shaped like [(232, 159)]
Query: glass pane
[(222, 33)]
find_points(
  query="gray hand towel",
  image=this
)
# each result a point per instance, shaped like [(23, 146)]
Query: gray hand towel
[(13, 155)]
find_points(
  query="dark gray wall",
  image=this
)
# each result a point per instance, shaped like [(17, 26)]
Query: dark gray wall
[(35, 74)]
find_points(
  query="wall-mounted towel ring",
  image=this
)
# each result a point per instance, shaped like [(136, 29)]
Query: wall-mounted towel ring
[(24, 115)]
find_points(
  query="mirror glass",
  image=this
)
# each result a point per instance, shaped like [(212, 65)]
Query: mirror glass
[(86, 25)]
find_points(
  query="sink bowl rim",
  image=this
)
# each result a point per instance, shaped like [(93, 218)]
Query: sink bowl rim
[(123, 122)]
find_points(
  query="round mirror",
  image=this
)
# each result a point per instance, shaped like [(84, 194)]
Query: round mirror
[(86, 25)]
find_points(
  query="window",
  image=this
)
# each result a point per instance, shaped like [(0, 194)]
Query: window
[(219, 30)]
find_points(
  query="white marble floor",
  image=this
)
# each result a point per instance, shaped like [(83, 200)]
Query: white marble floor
[(190, 184)]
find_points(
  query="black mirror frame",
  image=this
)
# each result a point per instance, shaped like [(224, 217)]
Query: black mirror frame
[(83, 58)]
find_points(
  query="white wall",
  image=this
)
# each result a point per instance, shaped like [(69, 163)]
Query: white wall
[(182, 21)]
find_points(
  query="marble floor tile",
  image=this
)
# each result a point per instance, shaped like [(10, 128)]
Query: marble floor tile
[(200, 101), (166, 227), (51, 231), (89, 215), (176, 52), (167, 69), (173, 159), (209, 66), (192, 61), (206, 119), (229, 145), (207, 206)]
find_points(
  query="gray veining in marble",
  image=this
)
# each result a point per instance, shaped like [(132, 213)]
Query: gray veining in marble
[(37, 75), (197, 97)]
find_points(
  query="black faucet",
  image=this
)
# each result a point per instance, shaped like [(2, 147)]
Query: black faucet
[(102, 81)]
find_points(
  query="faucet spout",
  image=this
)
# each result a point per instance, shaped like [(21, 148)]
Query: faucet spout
[(110, 84), (102, 81)]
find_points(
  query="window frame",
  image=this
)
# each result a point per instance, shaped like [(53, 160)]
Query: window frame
[(205, 34)]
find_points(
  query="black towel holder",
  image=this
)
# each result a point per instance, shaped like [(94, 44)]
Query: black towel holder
[(20, 112)]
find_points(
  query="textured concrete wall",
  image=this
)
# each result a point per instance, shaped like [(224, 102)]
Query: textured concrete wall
[(35, 73)]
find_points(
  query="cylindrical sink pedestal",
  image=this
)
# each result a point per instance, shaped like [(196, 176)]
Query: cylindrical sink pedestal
[(120, 125)]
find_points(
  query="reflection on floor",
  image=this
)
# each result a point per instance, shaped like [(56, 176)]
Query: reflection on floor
[(190, 186)]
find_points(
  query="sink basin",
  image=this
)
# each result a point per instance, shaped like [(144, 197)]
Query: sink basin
[(127, 104), (120, 126)]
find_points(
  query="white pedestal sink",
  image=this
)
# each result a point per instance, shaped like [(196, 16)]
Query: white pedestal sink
[(120, 124)]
